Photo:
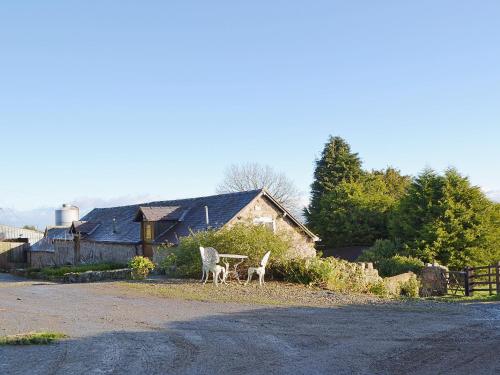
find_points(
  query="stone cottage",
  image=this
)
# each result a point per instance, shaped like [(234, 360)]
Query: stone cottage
[(119, 233)]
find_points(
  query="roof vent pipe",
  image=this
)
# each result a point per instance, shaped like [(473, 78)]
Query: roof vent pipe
[(114, 225), (207, 219)]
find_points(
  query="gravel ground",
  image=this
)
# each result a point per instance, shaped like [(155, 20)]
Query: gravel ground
[(272, 293), (119, 329)]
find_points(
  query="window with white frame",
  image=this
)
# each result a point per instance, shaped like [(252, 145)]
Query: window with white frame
[(266, 221)]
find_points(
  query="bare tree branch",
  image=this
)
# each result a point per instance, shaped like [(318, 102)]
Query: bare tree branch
[(254, 176)]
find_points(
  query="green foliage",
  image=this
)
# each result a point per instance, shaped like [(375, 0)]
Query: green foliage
[(330, 273), (398, 264), (337, 164), (37, 338), (55, 272), (357, 212), (444, 218), (490, 254), (251, 240), (379, 288), (388, 260), (410, 288), (432, 217), (382, 249), (141, 267)]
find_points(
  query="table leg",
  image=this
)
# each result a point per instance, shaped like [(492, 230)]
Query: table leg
[(227, 271), (236, 271)]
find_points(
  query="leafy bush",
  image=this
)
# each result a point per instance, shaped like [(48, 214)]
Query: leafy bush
[(410, 288), (379, 288), (55, 272), (399, 264), (251, 240), (382, 249), (141, 267), (330, 273)]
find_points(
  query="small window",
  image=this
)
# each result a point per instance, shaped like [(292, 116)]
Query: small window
[(268, 222), (148, 235)]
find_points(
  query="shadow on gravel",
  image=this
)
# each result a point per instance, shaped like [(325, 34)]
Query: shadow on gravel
[(343, 340), (7, 278)]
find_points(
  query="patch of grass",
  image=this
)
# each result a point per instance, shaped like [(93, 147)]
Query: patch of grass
[(272, 293), (55, 272), (34, 338), (477, 297)]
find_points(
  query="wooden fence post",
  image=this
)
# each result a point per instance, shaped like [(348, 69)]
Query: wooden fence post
[(466, 282), (490, 282), (498, 278)]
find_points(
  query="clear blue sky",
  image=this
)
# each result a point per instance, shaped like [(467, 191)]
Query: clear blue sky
[(123, 99)]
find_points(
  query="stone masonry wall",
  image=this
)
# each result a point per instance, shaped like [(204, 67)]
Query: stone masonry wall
[(303, 245), (434, 280)]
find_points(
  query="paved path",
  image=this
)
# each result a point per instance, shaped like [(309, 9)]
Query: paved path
[(115, 332)]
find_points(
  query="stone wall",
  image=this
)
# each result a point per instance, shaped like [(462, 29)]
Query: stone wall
[(303, 245), (434, 280), (371, 275), (96, 276), (393, 284)]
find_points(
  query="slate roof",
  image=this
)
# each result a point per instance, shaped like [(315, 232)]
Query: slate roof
[(51, 234), (222, 208), (58, 233), (84, 227), (160, 213)]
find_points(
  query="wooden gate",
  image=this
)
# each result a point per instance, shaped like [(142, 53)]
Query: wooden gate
[(456, 282), (482, 279)]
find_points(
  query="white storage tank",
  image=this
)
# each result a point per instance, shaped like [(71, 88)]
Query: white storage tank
[(66, 215)]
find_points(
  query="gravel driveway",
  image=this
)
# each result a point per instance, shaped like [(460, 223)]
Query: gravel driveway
[(115, 332)]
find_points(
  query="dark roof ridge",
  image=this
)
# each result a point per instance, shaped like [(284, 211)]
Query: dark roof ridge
[(146, 204), (210, 196)]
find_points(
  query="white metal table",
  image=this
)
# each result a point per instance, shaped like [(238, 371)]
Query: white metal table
[(234, 271)]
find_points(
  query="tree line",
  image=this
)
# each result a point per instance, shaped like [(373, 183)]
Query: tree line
[(431, 217)]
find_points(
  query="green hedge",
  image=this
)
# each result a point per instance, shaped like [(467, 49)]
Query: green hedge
[(251, 240), (382, 249), (330, 273), (399, 264), (391, 259)]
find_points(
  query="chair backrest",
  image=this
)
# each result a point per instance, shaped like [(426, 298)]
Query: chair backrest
[(265, 259), (203, 255), (211, 255)]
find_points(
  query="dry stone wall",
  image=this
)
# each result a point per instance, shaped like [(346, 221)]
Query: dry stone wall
[(434, 280), (96, 276)]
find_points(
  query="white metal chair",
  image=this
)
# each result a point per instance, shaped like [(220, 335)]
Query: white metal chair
[(204, 263), (210, 265), (261, 271)]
